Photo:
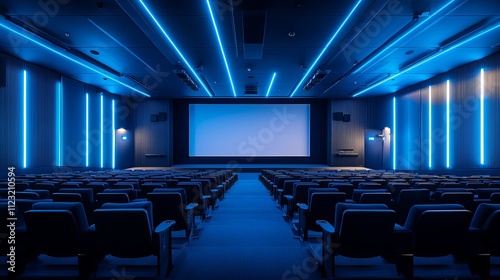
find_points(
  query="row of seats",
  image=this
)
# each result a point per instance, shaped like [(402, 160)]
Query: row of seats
[(366, 219), (79, 219)]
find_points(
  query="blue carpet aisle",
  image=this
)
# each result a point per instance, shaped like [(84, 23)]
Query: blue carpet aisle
[(246, 238)]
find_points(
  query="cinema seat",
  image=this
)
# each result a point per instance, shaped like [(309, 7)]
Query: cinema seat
[(126, 231), (435, 230), (171, 206), (60, 229), (360, 231), (321, 206)]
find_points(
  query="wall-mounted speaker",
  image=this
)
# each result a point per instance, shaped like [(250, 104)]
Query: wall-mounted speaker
[(346, 118), (338, 116), (154, 117), (162, 116), (3, 71)]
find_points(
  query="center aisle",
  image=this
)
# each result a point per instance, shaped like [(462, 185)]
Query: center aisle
[(246, 238)]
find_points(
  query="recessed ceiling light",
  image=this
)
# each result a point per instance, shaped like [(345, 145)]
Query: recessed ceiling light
[(94, 52), (291, 34), (409, 52), (251, 77), (66, 34)]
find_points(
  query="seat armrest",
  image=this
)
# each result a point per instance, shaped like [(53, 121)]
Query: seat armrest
[(326, 227), (163, 226), (279, 190), (191, 206), (289, 197), (214, 191), (205, 197), (302, 206)]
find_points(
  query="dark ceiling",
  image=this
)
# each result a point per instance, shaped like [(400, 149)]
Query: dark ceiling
[(374, 47)]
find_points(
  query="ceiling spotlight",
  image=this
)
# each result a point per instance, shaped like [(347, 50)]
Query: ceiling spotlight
[(94, 52), (291, 34), (66, 34), (184, 76), (249, 69)]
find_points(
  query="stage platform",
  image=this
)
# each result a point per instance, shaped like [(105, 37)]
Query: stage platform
[(251, 167)]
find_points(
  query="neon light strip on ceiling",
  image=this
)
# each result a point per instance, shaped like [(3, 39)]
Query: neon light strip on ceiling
[(425, 61), (402, 37), (306, 75), (175, 47), (221, 47), (73, 60), (271, 84)]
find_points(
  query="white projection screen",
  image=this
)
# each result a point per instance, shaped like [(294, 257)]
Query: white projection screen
[(239, 130)]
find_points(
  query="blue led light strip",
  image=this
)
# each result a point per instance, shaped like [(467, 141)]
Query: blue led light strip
[(87, 129), (58, 124), (402, 37), (113, 138), (271, 84), (324, 49), (175, 47), (73, 60), (394, 133), (221, 47), (24, 121), (102, 131), (448, 124), (438, 54), (481, 125), (430, 127)]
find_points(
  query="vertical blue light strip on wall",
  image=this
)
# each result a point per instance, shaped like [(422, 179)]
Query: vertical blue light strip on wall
[(394, 133), (113, 137), (481, 125), (102, 131), (58, 124), (24, 120), (87, 129), (430, 127), (271, 84), (448, 124)]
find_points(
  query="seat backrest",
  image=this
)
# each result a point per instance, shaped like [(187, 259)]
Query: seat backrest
[(485, 192), (76, 209), (417, 210), (356, 195), (66, 197), (492, 231), (102, 198), (86, 193), (194, 192), (130, 192), (369, 185), (181, 191), (482, 213), (168, 206), (495, 197), (43, 194), (27, 195), (375, 197), (342, 206), (365, 233), (345, 187), (124, 233), (465, 199), (322, 205), (438, 233), (146, 205), (310, 192), (288, 186), (300, 191), (53, 232), (412, 197)]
